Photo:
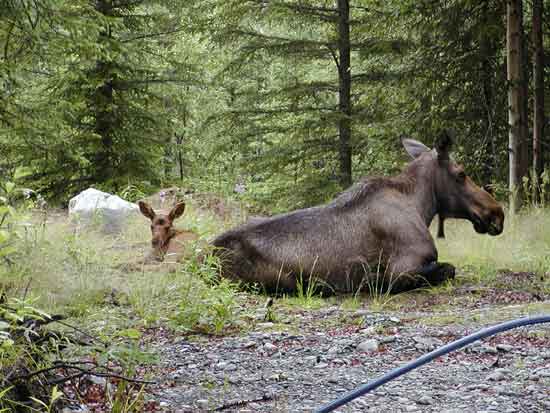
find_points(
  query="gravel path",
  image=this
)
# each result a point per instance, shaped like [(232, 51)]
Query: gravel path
[(310, 357)]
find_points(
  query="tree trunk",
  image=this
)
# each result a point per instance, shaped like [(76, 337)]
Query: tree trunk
[(515, 103), (488, 51), (523, 168), (103, 103), (344, 104), (538, 79)]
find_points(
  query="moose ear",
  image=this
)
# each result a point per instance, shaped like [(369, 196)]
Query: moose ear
[(146, 210), (177, 211), (443, 145), (414, 148)]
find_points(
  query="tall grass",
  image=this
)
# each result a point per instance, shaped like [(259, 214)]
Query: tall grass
[(524, 245), (80, 270)]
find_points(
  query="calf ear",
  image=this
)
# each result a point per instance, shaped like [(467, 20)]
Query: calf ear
[(414, 148), (146, 210), (443, 145), (177, 211), (488, 188)]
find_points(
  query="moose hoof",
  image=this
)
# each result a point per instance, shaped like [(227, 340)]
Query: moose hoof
[(447, 271), (442, 273)]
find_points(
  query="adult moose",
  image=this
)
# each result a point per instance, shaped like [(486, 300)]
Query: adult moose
[(378, 226)]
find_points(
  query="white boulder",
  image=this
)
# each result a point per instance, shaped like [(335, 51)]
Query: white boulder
[(109, 210)]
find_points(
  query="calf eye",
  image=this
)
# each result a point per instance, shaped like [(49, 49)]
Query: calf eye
[(461, 176)]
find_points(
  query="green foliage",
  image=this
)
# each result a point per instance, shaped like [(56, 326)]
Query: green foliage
[(206, 304), (97, 107), (208, 94)]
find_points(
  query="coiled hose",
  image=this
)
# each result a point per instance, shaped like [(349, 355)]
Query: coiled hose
[(399, 371)]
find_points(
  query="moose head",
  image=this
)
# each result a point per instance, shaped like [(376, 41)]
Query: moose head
[(455, 193)]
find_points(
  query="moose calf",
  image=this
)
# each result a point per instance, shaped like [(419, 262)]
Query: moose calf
[(168, 243)]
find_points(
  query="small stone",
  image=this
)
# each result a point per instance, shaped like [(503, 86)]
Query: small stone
[(388, 339), (100, 381), (203, 404), (233, 380), (248, 344), (496, 376), (332, 350), (543, 373), (333, 380), (225, 366), (426, 343), (278, 377), (368, 346), (369, 331), (505, 347), (489, 350), (185, 408), (395, 320), (425, 400), (321, 365), (270, 347)]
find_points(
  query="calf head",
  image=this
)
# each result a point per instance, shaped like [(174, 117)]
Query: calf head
[(162, 229), (456, 195)]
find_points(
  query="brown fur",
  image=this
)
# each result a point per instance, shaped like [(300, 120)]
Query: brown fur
[(377, 228), (168, 243)]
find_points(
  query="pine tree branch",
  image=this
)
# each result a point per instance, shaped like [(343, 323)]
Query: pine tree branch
[(150, 35)]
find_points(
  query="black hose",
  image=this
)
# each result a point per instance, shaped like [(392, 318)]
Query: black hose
[(487, 332)]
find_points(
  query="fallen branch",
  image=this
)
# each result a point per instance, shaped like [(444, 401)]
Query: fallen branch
[(241, 403), (82, 371)]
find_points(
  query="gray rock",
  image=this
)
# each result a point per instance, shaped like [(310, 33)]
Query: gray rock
[(332, 350), (505, 347), (388, 339), (489, 350), (497, 375), (368, 346), (425, 400), (270, 347), (427, 343)]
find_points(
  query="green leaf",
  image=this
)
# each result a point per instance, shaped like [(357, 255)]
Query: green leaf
[(131, 333), (4, 236), (9, 186), (40, 402)]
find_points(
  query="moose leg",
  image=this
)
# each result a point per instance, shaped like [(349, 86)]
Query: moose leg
[(418, 271), (436, 273)]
